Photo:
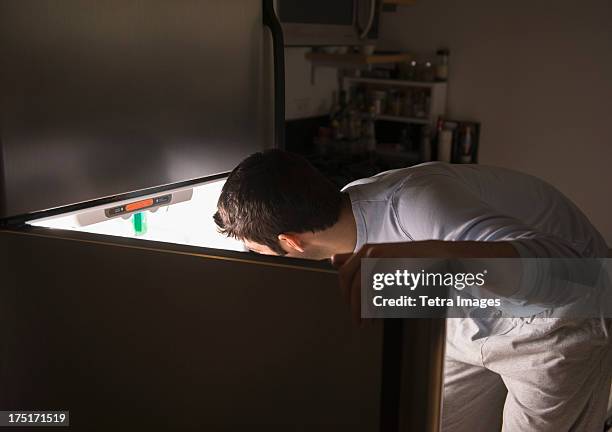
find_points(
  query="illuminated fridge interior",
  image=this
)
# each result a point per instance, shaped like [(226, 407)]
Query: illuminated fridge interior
[(182, 216)]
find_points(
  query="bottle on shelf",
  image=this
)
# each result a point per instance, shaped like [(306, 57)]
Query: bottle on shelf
[(427, 72), (435, 150), (408, 71), (467, 143), (445, 141), (442, 64)]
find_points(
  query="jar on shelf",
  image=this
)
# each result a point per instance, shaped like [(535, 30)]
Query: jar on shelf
[(428, 72), (408, 71)]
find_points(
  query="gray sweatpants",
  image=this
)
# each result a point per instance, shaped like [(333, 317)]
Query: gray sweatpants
[(533, 374)]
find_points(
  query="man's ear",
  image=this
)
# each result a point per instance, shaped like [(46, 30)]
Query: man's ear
[(291, 241)]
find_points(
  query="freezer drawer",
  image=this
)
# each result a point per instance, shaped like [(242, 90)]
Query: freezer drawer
[(130, 334)]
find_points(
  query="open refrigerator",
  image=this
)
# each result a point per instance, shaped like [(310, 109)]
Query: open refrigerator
[(151, 318), (119, 300)]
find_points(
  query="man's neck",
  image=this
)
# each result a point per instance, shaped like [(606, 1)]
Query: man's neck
[(342, 236)]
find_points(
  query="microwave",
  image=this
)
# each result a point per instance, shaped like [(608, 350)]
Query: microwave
[(328, 23)]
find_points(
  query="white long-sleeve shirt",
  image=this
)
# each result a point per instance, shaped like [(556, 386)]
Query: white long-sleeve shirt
[(473, 202)]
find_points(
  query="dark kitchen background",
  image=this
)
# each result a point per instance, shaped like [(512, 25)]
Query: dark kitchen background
[(532, 76)]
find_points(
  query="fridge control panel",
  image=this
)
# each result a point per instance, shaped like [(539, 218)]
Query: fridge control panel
[(138, 205), (118, 209)]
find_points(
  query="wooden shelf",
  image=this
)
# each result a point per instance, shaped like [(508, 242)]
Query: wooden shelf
[(399, 119), (325, 59), (399, 2), (437, 93), (396, 83)]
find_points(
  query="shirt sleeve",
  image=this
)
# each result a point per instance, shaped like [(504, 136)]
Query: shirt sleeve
[(443, 208)]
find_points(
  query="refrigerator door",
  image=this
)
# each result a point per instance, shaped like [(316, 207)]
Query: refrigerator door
[(133, 335), (160, 312), (136, 335), (106, 97)]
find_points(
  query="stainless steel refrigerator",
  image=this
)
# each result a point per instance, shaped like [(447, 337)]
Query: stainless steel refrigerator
[(119, 301)]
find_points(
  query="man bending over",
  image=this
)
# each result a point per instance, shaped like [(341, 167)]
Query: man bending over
[(534, 374)]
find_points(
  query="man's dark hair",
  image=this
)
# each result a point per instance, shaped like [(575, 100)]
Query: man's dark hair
[(275, 192)]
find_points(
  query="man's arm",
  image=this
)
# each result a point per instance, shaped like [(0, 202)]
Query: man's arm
[(436, 211), (349, 265), (443, 208)]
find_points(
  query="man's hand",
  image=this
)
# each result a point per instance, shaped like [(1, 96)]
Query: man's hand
[(349, 265)]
